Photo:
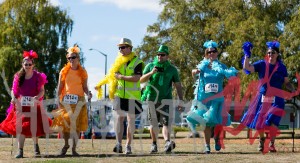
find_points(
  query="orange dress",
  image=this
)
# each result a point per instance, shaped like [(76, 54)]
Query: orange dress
[(71, 117)]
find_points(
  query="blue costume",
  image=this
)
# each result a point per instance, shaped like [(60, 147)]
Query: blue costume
[(256, 117), (210, 83)]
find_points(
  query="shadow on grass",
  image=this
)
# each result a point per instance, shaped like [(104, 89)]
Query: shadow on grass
[(152, 155)]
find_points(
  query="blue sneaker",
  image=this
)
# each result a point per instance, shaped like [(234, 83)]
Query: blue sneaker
[(207, 149), (217, 144)]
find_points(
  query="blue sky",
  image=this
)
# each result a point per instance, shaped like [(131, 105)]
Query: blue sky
[(99, 24)]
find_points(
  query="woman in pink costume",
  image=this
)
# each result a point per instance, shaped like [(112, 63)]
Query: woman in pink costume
[(26, 117)]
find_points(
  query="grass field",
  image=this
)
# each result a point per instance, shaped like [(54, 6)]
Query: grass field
[(237, 149)]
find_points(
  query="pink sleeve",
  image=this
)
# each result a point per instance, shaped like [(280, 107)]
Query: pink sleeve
[(42, 80), (10, 108), (15, 86)]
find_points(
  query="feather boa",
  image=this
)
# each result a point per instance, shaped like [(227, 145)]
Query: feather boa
[(157, 77), (110, 77), (81, 72)]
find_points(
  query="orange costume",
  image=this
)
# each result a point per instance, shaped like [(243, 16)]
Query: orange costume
[(72, 85)]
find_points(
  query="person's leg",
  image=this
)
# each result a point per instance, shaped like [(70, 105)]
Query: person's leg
[(36, 146), (261, 141), (273, 132), (166, 130), (119, 129), (64, 150), (153, 117), (130, 132), (75, 141), (21, 141), (207, 136)]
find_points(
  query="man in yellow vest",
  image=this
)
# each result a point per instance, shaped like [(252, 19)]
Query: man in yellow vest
[(128, 93), (161, 75)]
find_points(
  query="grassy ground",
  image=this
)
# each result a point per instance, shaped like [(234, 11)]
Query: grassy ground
[(237, 149)]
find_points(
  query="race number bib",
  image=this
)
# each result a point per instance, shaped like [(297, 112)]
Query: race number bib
[(27, 101), (70, 99), (267, 99), (211, 87)]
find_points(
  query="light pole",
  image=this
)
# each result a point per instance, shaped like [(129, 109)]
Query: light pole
[(105, 55)]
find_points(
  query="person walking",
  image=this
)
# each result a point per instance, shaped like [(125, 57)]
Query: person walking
[(161, 75)]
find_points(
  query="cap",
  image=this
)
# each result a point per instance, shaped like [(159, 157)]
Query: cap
[(163, 49), (125, 41)]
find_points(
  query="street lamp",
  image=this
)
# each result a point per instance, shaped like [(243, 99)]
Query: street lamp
[(105, 55)]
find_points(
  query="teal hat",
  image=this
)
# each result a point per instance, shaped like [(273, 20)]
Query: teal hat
[(163, 49)]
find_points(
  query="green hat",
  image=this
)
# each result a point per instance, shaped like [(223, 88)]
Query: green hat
[(163, 49)]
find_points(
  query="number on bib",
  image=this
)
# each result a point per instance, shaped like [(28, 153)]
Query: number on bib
[(70, 99), (27, 101), (211, 87)]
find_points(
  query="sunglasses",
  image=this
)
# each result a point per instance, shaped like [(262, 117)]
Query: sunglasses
[(272, 52), (213, 51), (161, 54), (28, 64), (122, 47), (73, 57)]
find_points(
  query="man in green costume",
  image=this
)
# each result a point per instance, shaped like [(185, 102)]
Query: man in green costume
[(160, 75)]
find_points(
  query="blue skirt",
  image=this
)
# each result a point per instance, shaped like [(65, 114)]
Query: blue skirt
[(261, 114)]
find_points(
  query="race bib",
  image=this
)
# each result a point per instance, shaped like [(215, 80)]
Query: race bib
[(70, 99), (211, 87), (267, 99), (27, 101)]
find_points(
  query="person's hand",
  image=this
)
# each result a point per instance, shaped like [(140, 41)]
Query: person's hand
[(180, 108), (90, 95), (118, 76), (247, 47), (13, 100), (195, 71), (36, 98), (154, 70)]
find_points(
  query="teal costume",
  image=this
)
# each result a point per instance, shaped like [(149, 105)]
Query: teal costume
[(210, 83)]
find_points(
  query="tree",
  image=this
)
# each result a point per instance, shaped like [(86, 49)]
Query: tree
[(185, 25), (36, 25)]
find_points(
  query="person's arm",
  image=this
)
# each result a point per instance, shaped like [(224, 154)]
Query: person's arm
[(178, 87), (147, 76), (247, 65), (59, 86), (195, 72), (133, 78), (288, 84), (86, 89), (40, 94)]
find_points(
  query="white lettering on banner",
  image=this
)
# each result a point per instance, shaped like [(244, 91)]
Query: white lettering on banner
[(211, 87), (70, 99), (267, 99), (27, 101)]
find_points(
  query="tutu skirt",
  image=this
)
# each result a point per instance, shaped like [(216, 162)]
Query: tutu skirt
[(70, 117), (31, 123)]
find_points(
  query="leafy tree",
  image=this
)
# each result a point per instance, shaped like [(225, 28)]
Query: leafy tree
[(185, 25), (36, 25)]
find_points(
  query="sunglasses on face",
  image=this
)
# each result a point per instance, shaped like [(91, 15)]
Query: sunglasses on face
[(213, 51), (272, 52), (73, 57), (29, 64), (161, 55), (122, 47)]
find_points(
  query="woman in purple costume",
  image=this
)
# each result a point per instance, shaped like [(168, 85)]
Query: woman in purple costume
[(266, 110)]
